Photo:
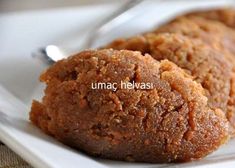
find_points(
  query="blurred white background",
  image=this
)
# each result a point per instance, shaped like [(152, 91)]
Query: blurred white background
[(23, 5)]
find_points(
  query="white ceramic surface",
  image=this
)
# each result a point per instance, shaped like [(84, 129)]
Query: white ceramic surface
[(21, 33)]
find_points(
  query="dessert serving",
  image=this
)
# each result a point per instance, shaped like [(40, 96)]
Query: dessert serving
[(226, 16), (186, 112), (191, 41)]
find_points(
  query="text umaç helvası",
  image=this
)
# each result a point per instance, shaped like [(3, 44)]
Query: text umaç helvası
[(123, 85)]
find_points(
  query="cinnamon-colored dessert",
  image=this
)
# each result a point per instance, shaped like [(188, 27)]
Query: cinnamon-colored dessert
[(218, 37), (218, 52), (213, 33), (224, 15), (172, 122)]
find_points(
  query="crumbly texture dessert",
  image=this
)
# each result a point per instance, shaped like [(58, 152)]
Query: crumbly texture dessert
[(172, 122), (221, 40), (207, 66), (224, 15), (213, 33), (216, 35)]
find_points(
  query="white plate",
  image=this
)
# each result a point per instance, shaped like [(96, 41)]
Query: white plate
[(24, 32)]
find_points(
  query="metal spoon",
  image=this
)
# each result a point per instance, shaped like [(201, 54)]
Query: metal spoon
[(53, 53)]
